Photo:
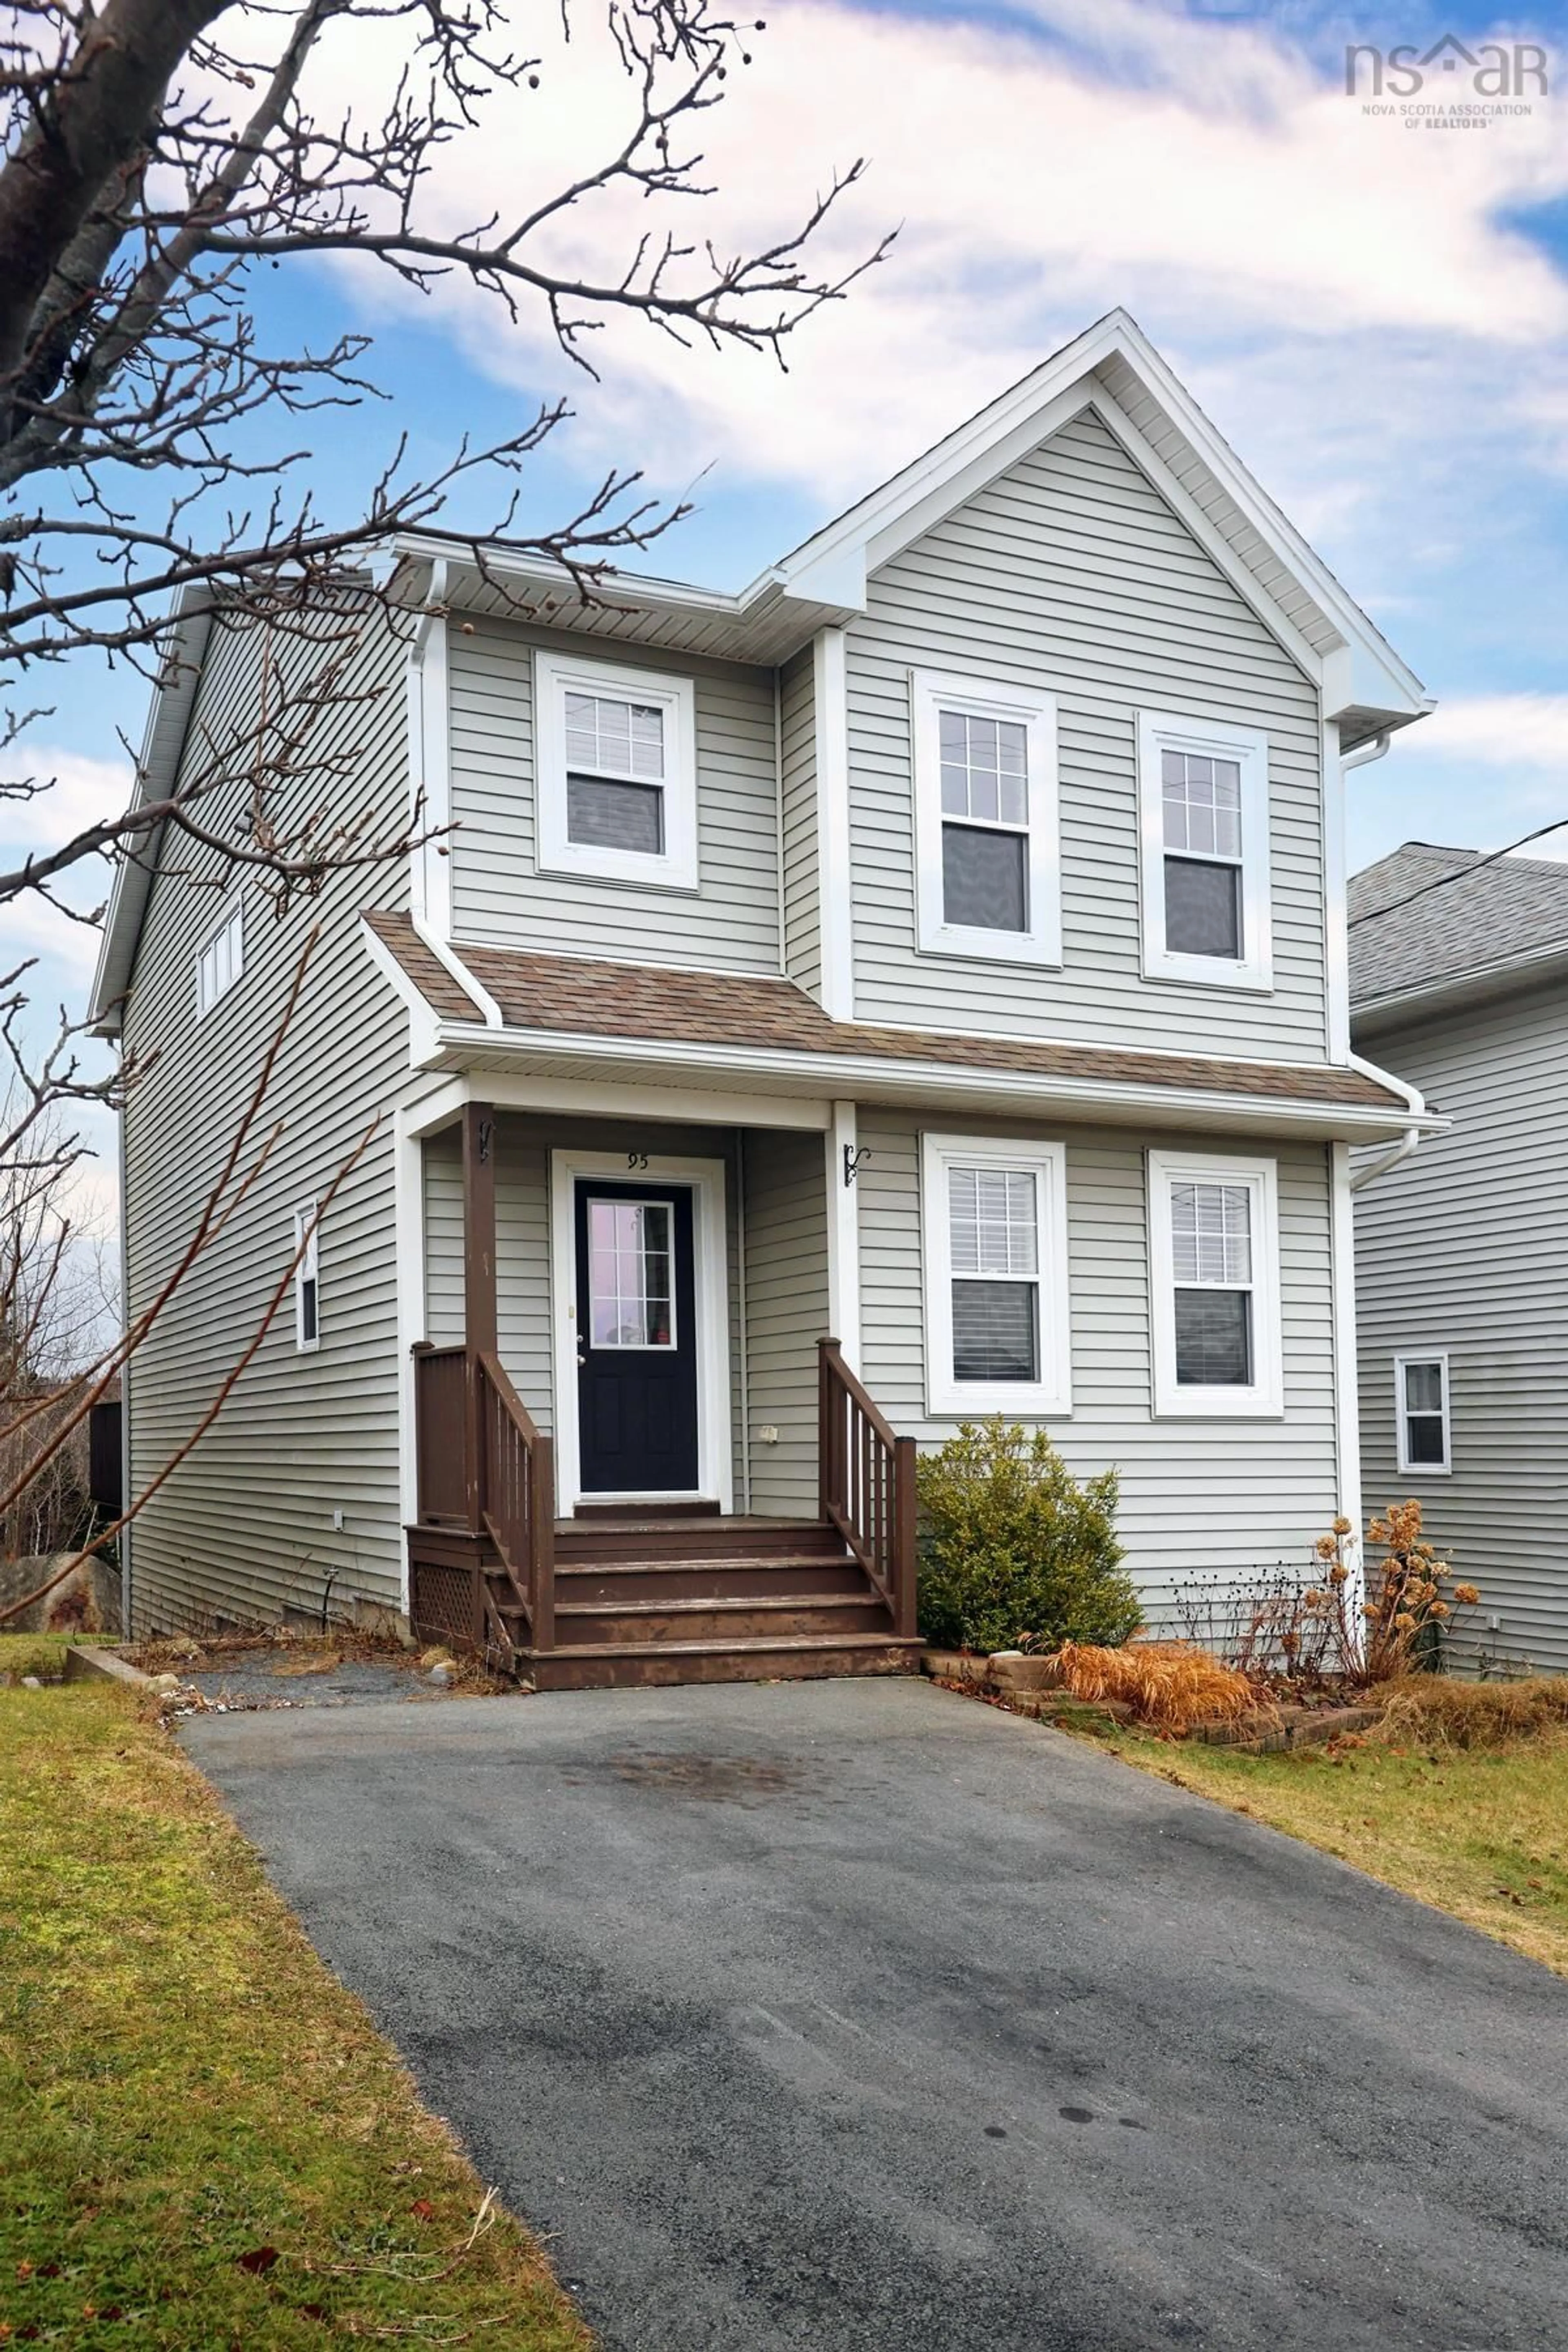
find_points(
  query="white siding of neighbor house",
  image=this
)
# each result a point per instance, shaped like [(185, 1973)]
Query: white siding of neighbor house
[(1071, 573), (1223, 1496), (1464, 1250), (786, 1314), (799, 853), (500, 896), (242, 1530)]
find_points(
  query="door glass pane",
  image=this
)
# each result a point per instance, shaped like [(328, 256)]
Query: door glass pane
[(1214, 1338), (1202, 908), (995, 1329), (614, 816), (982, 878), (629, 1273)]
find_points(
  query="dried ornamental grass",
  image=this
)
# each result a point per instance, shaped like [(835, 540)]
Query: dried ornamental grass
[(1431, 1710), (1170, 1685)]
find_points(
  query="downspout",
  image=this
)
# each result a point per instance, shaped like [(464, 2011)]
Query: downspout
[(1364, 756), (125, 1532)]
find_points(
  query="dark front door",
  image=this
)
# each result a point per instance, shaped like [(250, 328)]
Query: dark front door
[(636, 1339)]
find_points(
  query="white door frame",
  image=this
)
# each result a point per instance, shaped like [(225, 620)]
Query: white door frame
[(715, 1449)]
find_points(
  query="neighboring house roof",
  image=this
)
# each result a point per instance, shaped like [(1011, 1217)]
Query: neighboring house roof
[(1491, 925), (770, 1024)]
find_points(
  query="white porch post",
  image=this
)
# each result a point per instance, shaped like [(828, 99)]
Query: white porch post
[(842, 1234)]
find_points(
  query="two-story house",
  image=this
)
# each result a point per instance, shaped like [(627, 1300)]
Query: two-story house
[(937, 949), (1459, 981)]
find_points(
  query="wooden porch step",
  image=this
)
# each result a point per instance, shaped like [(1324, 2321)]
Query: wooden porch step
[(617, 1665), (738, 1539), (731, 1618), (721, 1577)]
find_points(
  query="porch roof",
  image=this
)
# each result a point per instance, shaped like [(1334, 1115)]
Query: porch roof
[(732, 1018)]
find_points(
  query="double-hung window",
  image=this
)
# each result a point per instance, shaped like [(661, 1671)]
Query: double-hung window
[(1213, 1258), (1204, 825), (220, 963), (1421, 1389), (994, 1217), (985, 820), (307, 1279), (616, 773)]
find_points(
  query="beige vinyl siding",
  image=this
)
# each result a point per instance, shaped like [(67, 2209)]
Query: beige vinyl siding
[(1221, 1497), (798, 785), (1464, 1250), (243, 1529), (1071, 574), (500, 896), (786, 1313)]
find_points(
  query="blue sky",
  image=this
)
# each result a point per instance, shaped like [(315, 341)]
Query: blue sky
[(1375, 315)]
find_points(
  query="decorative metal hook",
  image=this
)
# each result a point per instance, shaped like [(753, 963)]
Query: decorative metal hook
[(852, 1160)]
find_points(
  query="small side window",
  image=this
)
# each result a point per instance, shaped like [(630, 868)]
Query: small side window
[(221, 962), (616, 773), (1421, 1388), (307, 1279)]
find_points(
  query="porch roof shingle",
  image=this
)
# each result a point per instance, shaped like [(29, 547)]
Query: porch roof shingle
[(571, 995)]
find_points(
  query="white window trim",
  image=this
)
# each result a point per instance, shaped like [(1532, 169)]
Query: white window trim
[(1408, 1469), (1161, 730), (967, 1399), (554, 675), (307, 1240), (235, 921), (1263, 1398), (931, 692)]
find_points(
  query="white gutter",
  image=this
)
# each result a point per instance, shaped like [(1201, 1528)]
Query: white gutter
[(873, 1078), (1422, 1123), (1365, 753)]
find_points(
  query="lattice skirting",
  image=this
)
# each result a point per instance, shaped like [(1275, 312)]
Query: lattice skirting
[(443, 1604)]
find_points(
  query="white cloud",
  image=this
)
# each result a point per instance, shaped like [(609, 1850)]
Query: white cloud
[(1228, 192), (1510, 731), (80, 790)]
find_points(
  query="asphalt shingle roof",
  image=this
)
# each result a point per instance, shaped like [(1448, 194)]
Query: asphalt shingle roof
[(587, 996), (1513, 906)]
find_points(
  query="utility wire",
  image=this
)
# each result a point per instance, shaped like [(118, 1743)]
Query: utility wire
[(1459, 874)]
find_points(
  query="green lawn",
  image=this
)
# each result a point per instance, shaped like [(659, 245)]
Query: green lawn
[(207, 2145), (39, 1653), (1480, 1833)]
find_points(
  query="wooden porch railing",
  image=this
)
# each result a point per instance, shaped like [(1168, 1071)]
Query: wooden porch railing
[(440, 1425), (485, 1469), (517, 1489), (865, 1479)]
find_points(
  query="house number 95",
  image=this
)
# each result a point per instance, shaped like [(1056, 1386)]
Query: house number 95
[(636, 1160)]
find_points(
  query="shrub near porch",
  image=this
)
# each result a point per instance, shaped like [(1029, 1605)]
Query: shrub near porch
[(1014, 1549)]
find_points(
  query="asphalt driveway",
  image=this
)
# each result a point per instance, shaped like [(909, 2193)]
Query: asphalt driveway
[(860, 2015)]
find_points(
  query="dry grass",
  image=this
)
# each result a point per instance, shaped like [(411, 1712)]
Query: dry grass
[(1170, 1685), (1479, 1833), (1434, 1711)]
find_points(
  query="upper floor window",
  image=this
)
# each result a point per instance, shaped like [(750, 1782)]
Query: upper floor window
[(616, 771), (1215, 1278), (1420, 1384), (996, 1275), (985, 820), (1204, 824), (221, 962)]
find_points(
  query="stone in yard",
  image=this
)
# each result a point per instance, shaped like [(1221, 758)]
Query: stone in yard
[(31, 1682), (442, 1671), (167, 1682)]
